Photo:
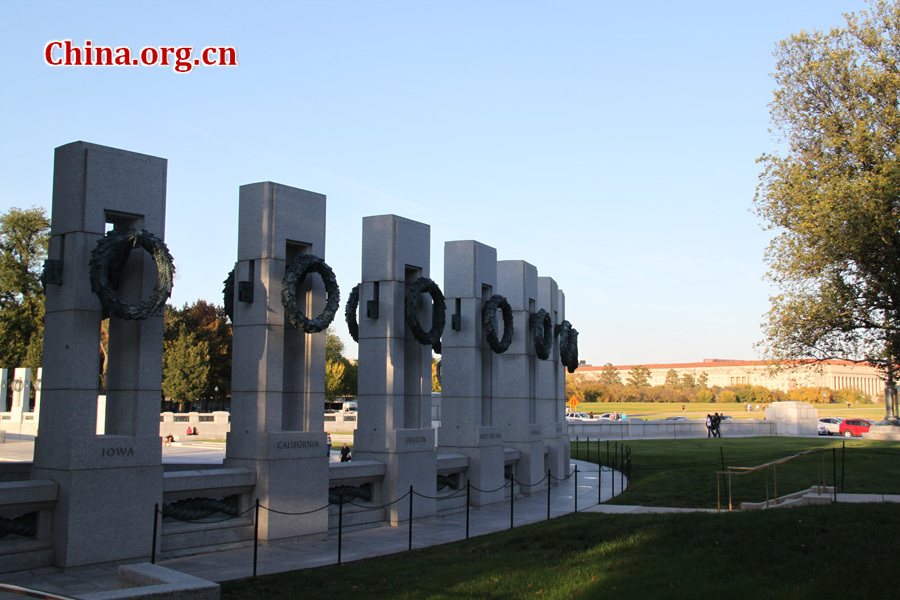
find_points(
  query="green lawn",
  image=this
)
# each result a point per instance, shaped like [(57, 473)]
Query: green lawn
[(682, 472), (816, 552)]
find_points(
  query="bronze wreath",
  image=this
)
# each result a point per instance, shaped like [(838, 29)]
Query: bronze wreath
[(294, 276), (350, 313), (488, 318), (438, 313), (542, 330), (107, 261), (568, 346), (228, 295)]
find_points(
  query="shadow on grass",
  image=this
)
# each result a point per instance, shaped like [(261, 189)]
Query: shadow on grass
[(807, 552)]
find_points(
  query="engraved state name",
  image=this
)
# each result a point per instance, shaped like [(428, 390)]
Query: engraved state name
[(297, 444), (120, 451), (416, 439)]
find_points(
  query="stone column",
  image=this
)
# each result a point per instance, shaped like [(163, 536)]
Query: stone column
[(550, 373), (37, 396), (4, 388), (278, 379), (21, 387), (516, 394), (394, 424), (109, 483), (468, 368)]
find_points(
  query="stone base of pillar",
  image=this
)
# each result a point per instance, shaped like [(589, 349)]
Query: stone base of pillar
[(486, 462), (531, 470), (95, 509), (410, 460), (292, 476)]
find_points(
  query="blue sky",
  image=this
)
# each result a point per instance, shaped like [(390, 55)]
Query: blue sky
[(610, 144)]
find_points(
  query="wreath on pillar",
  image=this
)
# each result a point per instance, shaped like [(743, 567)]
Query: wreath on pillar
[(107, 261), (542, 331), (568, 346), (488, 323), (228, 295), (294, 277), (432, 337), (350, 313)]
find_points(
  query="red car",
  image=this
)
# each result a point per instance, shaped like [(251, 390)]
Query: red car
[(854, 427)]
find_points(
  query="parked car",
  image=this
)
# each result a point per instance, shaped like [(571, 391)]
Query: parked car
[(678, 418), (830, 425), (613, 416), (854, 427), (578, 417)]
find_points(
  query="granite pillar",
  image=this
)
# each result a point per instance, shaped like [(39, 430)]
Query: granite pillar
[(394, 424), (516, 401), (108, 484), (278, 379), (469, 368)]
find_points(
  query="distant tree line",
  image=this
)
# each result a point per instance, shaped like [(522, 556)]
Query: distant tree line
[(685, 388)]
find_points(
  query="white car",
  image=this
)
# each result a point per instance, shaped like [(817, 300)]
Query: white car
[(830, 425), (578, 417)]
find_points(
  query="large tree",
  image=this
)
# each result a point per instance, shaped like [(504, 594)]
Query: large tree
[(638, 376), (833, 196), (186, 368), (24, 234), (610, 375), (209, 324)]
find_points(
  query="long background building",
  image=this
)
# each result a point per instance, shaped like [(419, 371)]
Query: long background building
[(833, 374)]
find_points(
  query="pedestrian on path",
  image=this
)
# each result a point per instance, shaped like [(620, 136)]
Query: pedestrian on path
[(709, 425)]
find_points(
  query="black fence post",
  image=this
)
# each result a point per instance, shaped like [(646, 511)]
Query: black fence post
[(255, 537), (599, 483), (468, 503), (843, 462), (588, 444), (622, 469), (512, 500), (834, 473), (340, 526), (607, 453), (598, 450), (410, 515), (155, 525), (577, 448), (576, 488), (548, 494)]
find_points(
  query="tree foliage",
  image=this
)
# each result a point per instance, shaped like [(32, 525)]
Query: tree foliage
[(834, 196), (186, 367), (610, 375), (672, 379), (24, 235), (340, 373), (638, 376), (207, 323)]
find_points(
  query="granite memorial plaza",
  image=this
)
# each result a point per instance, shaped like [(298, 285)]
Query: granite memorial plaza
[(87, 498), (96, 494)]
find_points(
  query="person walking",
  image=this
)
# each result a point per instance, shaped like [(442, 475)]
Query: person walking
[(345, 453), (717, 423), (709, 425)]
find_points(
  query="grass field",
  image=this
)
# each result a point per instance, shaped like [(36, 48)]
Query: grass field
[(661, 410), (803, 553), (682, 473), (798, 553)]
